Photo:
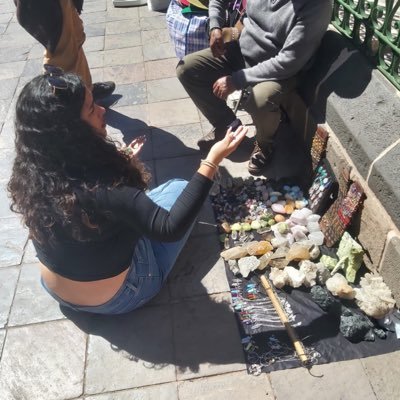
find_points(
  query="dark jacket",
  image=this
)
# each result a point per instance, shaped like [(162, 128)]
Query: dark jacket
[(43, 19)]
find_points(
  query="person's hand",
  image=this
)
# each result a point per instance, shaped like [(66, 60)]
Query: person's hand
[(227, 145), (217, 43), (223, 87), (137, 144)]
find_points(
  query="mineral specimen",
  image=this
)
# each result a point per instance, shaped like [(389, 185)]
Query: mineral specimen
[(233, 266), (338, 286), (328, 261), (234, 253), (278, 277), (258, 248), (323, 274), (325, 300), (248, 264), (314, 252), (264, 260), (295, 277), (374, 297), (355, 326), (350, 255), (310, 271), (298, 252)]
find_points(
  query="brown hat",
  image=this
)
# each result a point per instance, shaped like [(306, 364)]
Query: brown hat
[(200, 3)]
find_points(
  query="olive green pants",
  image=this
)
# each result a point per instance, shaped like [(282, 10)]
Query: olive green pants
[(198, 71)]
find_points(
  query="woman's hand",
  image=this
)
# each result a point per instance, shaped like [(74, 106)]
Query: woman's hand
[(136, 145), (227, 145)]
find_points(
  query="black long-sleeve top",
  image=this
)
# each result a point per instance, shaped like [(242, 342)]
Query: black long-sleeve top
[(132, 215)]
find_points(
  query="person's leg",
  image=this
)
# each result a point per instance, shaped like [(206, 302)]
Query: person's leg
[(165, 196), (198, 71), (263, 104), (69, 54)]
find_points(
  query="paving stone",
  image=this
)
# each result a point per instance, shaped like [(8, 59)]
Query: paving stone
[(94, 17), (206, 338), (14, 27), (29, 254), (122, 40), (94, 43), (120, 14), (8, 282), (94, 6), (199, 269), (14, 54), (125, 74), (145, 12), (165, 89), (8, 88), (235, 386), (172, 112), (4, 105), (33, 67), (6, 163), (98, 29), (36, 51), (31, 302), (11, 70), (5, 17), (13, 238), (7, 137), (390, 265), (5, 202), (158, 51), (128, 118), (131, 94), (382, 372), (342, 380), (3, 28), (166, 391), (151, 23), (159, 69), (145, 355), (95, 59), (123, 56), (155, 36), (176, 141), (44, 361), (19, 39), (115, 27), (2, 337)]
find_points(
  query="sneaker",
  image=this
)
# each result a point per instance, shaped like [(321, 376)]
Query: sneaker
[(102, 89), (259, 159), (216, 134)]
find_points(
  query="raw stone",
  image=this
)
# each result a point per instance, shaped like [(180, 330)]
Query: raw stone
[(356, 327), (248, 264), (258, 248), (234, 253), (338, 286), (325, 300)]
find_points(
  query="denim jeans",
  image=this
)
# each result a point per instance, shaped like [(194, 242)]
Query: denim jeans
[(151, 263)]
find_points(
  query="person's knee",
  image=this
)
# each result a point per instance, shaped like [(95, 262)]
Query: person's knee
[(265, 97)]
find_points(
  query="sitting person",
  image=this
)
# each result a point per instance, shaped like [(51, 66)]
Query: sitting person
[(278, 40), (105, 244)]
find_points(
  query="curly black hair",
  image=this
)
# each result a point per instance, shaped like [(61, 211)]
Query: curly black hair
[(57, 153)]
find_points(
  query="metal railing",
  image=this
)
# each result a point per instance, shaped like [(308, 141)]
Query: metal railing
[(374, 27)]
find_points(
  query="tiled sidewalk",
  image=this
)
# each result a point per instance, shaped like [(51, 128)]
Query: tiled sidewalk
[(185, 344)]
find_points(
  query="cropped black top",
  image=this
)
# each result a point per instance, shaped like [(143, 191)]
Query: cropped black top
[(132, 215)]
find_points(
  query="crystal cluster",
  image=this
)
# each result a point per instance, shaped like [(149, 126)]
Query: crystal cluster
[(374, 297)]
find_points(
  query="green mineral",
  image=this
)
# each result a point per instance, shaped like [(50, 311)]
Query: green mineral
[(271, 222)]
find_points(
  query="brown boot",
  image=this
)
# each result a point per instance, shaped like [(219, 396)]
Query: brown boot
[(259, 159)]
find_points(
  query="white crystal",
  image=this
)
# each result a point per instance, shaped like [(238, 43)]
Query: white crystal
[(248, 264), (338, 286), (279, 277), (310, 271), (317, 238), (295, 277)]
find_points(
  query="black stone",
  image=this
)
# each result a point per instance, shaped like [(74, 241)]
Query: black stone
[(356, 327), (325, 300)]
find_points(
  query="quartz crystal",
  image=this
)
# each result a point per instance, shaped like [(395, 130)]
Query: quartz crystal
[(248, 264), (338, 286), (234, 253)]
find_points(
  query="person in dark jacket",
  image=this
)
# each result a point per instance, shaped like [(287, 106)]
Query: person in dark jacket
[(57, 26)]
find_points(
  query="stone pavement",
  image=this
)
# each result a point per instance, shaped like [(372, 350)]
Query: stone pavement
[(185, 344)]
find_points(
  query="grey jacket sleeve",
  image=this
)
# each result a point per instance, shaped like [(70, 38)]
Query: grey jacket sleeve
[(299, 46), (217, 12)]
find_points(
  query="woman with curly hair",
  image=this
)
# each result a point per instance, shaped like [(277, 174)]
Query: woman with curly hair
[(105, 244)]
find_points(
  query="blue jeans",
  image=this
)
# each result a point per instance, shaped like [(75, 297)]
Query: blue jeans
[(152, 261)]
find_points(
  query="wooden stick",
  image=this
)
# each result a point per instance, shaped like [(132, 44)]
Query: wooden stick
[(298, 345)]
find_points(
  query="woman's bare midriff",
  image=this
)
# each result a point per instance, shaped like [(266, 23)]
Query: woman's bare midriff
[(93, 293)]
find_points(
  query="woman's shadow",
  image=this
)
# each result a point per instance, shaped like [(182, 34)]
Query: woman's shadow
[(190, 322)]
